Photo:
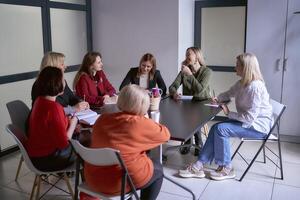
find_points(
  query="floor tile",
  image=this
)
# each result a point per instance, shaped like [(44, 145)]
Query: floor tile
[(169, 196), (8, 169), (9, 194), (285, 192), (195, 184), (291, 175), (24, 185), (290, 152), (235, 190)]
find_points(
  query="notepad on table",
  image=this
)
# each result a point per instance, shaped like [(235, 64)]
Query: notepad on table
[(87, 116), (185, 97), (212, 105)]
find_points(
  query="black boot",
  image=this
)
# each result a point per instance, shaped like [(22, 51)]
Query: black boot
[(185, 150), (198, 142)]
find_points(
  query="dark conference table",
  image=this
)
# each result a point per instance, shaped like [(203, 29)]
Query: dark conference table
[(183, 117)]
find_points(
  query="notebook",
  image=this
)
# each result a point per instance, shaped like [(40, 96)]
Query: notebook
[(87, 116)]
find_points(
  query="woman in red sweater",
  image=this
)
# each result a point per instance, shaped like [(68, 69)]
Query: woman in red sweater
[(133, 134), (49, 129), (91, 83)]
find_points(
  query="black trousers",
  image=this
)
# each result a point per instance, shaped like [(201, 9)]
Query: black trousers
[(151, 190), (58, 160)]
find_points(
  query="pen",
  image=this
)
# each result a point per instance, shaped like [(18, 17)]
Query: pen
[(214, 95), (84, 97)]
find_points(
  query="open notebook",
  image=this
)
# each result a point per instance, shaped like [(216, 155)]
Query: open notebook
[(88, 116)]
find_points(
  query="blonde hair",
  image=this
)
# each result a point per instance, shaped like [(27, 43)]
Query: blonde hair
[(134, 99), (53, 59), (199, 56), (251, 71)]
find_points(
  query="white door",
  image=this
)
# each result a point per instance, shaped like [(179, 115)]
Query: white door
[(290, 123), (265, 38)]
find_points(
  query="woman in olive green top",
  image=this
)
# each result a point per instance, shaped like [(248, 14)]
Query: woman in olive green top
[(194, 77)]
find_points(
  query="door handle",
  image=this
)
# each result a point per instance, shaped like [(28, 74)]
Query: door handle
[(285, 64), (278, 64)]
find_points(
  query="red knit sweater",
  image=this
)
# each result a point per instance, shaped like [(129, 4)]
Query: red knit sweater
[(47, 128), (94, 88)]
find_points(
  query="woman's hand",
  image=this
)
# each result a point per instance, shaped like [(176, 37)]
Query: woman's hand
[(186, 70), (72, 126), (83, 105), (110, 100), (225, 109), (214, 100)]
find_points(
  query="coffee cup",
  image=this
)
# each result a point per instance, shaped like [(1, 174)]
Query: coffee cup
[(154, 103), (156, 92)]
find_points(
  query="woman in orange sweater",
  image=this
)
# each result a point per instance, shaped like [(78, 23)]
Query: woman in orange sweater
[(133, 134)]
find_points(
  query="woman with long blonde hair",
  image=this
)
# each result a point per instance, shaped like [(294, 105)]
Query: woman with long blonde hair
[(253, 119), (194, 78), (67, 99)]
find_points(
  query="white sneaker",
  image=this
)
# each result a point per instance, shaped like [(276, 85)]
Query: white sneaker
[(222, 173), (192, 172)]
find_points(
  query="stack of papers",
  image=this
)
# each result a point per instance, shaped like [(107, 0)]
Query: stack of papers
[(88, 116)]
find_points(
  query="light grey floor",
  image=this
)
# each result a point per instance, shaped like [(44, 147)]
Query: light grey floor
[(258, 184)]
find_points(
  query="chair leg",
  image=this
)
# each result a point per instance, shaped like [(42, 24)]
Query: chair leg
[(66, 178), (38, 187), (264, 154), (19, 168), (252, 161), (237, 149), (280, 157), (33, 188)]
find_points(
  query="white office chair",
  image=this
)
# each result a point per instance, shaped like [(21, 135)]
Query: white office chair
[(102, 157), (20, 139), (278, 110)]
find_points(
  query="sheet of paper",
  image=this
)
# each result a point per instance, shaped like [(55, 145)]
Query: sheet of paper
[(185, 97), (212, 105), (90, 120), (85, 114)]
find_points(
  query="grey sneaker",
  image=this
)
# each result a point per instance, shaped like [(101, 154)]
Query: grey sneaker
[(192, 172), (222, 173)]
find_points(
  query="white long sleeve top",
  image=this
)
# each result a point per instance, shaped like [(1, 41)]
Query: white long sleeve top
[(252, 105)]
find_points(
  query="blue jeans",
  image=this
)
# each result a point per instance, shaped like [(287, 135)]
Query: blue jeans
[(217, 145)]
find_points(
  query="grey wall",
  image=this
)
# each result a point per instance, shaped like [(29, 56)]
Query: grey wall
[(123, 30)]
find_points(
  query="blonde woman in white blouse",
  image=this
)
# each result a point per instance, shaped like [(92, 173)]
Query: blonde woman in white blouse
[(253, 119)]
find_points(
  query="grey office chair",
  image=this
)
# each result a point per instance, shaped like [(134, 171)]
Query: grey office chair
[(278, 110), (18, 112), (102, 157), (20, 139)]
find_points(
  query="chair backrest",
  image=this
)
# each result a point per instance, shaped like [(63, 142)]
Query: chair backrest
[(98, 157), (18, 112), (21, 139), (278, 110)]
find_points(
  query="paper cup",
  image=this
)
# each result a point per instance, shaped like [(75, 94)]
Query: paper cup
[(155, 115), (154, 103)]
